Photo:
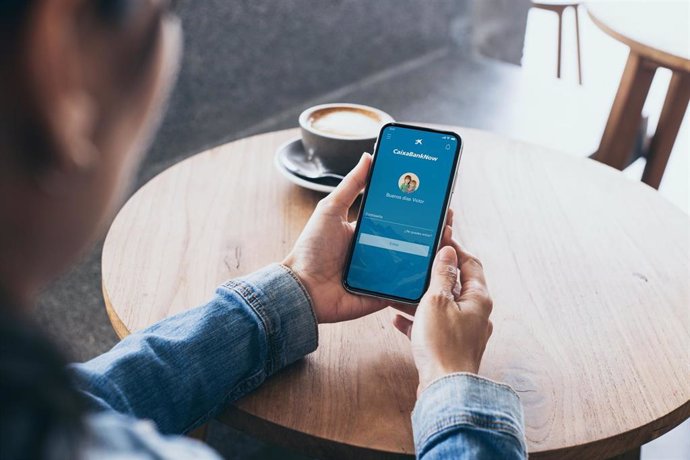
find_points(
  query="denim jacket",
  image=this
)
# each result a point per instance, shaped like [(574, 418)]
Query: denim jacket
[(169, 378)]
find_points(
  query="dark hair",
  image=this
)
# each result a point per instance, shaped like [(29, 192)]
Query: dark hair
[(407, 176), (40, 411), (13, 12)]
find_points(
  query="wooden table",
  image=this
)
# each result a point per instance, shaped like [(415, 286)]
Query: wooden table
[(658, 35), (591, 320)]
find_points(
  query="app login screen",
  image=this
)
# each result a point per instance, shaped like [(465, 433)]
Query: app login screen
[(399, 222)]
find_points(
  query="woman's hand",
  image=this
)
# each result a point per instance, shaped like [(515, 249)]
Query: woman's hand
[(318, 257), (451, 325)]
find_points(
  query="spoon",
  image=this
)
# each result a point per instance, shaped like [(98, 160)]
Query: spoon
[(308, 166)]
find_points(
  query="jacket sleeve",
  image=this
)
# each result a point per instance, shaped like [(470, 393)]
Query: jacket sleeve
[(464, 416), (183, 370)]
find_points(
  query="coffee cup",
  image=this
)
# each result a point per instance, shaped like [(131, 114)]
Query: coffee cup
[(337, 134)]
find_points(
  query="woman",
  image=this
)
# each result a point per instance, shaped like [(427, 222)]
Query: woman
[(82, 83)]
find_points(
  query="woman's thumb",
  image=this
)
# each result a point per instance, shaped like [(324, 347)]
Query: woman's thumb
[(444, 273)]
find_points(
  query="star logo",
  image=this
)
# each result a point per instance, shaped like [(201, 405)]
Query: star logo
[(418, 142)]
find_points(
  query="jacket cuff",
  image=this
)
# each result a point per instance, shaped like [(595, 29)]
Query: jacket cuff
[(463, 400), (284, 307)]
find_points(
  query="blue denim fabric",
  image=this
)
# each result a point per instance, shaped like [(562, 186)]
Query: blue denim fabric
[(464, 416), (175, 375), (112, 436), (185, 369)]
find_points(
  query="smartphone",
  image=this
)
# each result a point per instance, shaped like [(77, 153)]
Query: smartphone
[(403, 212)]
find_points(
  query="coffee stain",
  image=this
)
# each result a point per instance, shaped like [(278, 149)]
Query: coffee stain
[(233, 263), (238, 257), (641, 276)]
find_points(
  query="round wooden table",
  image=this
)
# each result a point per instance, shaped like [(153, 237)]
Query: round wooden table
[(657, 34), (588, 270)]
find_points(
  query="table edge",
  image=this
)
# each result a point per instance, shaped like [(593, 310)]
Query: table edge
[(618, 444), (660, 57), (603, 448), (118, 325)]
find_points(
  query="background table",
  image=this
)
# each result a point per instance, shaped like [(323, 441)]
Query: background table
[(588, 270), (658, 35)]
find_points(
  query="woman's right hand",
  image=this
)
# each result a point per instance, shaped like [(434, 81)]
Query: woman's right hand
[(451, 325)]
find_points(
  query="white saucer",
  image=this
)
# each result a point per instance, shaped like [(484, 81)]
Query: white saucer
[(291, 145)]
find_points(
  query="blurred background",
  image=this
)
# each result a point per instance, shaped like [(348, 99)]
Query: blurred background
[(252, 66)]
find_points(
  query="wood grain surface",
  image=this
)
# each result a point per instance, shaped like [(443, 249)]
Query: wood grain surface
[(589, 272)]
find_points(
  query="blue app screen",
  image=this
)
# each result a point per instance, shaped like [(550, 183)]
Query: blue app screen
[(395, 242)]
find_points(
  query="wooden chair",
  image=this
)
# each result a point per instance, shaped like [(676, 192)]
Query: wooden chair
[(558, 7)]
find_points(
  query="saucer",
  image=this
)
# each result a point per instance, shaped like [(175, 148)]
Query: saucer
[(295, 147)]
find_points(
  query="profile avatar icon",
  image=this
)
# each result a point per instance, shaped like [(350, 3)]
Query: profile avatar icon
[(408, 183)]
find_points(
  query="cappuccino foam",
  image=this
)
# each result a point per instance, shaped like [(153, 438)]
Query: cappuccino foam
[(346, 122)]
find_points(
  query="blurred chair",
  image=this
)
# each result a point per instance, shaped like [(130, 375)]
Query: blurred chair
[(657, 36), (558, 7)]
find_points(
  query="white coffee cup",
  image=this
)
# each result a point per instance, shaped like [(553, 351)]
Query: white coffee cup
[(338, 133)]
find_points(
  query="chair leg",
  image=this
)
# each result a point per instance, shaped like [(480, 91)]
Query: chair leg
[(630, 455), (623, 123), (577, 40), (560, 44), (671, 117)]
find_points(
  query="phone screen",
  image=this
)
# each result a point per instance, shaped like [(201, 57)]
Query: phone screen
[(402, 212)]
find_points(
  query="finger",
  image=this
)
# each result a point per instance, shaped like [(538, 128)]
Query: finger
[(444, 273), (447, 237), (403, 324), (348, 190), (472, 280), (456, 291), (449, 217), (449, 241), (471, 268), (370, 303), (405, 308)]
